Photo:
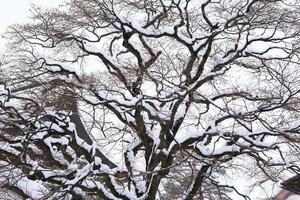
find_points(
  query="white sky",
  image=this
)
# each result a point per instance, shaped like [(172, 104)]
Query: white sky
[(17, 11)]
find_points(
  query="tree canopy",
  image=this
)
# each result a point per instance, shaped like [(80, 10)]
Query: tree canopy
[(153, 99)]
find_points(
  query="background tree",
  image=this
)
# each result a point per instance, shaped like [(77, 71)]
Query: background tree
[(107, 99)]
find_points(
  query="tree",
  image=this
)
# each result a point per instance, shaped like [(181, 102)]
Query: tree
[(104, 99)]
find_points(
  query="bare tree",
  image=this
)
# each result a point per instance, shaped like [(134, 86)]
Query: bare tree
[(113, 99)]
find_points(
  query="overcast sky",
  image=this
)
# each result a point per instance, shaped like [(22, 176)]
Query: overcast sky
[(17, 11)]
